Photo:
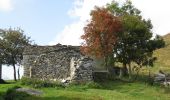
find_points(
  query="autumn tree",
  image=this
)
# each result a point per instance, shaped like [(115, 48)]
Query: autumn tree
[(13, 43), (100, 34)]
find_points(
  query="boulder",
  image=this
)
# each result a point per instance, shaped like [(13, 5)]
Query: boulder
[(162, 78)]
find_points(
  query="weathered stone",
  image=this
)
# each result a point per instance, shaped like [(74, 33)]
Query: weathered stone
[(162, 78), (30, 91), (59, 62)]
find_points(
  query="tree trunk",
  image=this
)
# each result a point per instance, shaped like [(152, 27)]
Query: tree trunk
[(105, 63), (137, 74), (123, 71), (14, 72), (0, 71), (18, 73), (130, 71)]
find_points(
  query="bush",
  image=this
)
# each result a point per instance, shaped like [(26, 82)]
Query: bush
[(93, 85), (36, 83), (83, 86), (100, 76)]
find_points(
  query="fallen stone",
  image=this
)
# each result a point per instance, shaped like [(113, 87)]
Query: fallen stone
[(30, 91)]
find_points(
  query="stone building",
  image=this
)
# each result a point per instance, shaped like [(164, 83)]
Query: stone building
[(57, 62)]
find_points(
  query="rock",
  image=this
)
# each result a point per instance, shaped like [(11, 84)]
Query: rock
[(162, 78), (64, 81), (159, 77), (30, 91), (166, 83)]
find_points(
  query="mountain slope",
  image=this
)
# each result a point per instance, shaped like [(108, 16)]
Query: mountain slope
[(163, 56)]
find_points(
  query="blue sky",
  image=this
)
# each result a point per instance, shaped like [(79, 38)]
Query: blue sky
[(40, 19), (53, 21), (49, 22)]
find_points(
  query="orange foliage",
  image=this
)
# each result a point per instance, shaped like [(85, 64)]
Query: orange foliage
[(100, 33)]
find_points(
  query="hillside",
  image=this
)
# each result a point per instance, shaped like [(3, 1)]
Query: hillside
[(163, 56)]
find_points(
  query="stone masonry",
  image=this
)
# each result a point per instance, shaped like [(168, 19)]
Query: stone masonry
[(58, 62)]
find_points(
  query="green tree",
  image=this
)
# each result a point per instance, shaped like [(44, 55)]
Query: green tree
[(2, 57), (135, 43), (13, 45), (1, 61)]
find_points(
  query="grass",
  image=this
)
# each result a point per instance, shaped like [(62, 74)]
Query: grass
[(163, 56), (109, 90)]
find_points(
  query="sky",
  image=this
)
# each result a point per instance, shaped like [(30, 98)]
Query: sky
[(49, 22)]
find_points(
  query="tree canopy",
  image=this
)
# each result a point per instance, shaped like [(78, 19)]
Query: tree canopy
[(121, 33), (100, 34), (134, 43), (12, 45)]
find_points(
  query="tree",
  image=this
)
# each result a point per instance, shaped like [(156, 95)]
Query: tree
[(135, 43), (100, 34), (13, 45), (1, 55), (1, 61)]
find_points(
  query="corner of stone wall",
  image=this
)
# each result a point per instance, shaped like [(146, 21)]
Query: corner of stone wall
[(81, 69)]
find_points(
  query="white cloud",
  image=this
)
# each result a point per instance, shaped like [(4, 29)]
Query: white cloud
[(156, 10), (70, 35), (81, 10), (5, 5)]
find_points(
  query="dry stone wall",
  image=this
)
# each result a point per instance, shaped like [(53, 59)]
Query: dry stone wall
[(81, 68), (56, 63)]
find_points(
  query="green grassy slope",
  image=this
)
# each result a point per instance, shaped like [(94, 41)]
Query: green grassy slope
[(163, 56), (111, 90)]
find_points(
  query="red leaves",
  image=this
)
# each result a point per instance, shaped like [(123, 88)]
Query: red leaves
[(100, 33)]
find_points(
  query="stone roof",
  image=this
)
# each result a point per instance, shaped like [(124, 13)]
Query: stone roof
[(35, 49)]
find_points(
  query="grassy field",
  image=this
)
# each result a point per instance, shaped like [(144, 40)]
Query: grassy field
[(110, 90)]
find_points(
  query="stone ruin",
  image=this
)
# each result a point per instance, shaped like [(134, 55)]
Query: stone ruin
[(58, 62)]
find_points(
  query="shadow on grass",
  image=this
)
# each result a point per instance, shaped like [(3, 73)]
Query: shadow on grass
[(7, 82), (2, 81)]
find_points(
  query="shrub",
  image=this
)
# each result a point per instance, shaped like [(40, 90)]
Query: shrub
[(83, 86), (100, 76), (36, 83), (93, 85)]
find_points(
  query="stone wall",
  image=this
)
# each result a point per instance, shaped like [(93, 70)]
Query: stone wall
[(81, 68), (56, 63)]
